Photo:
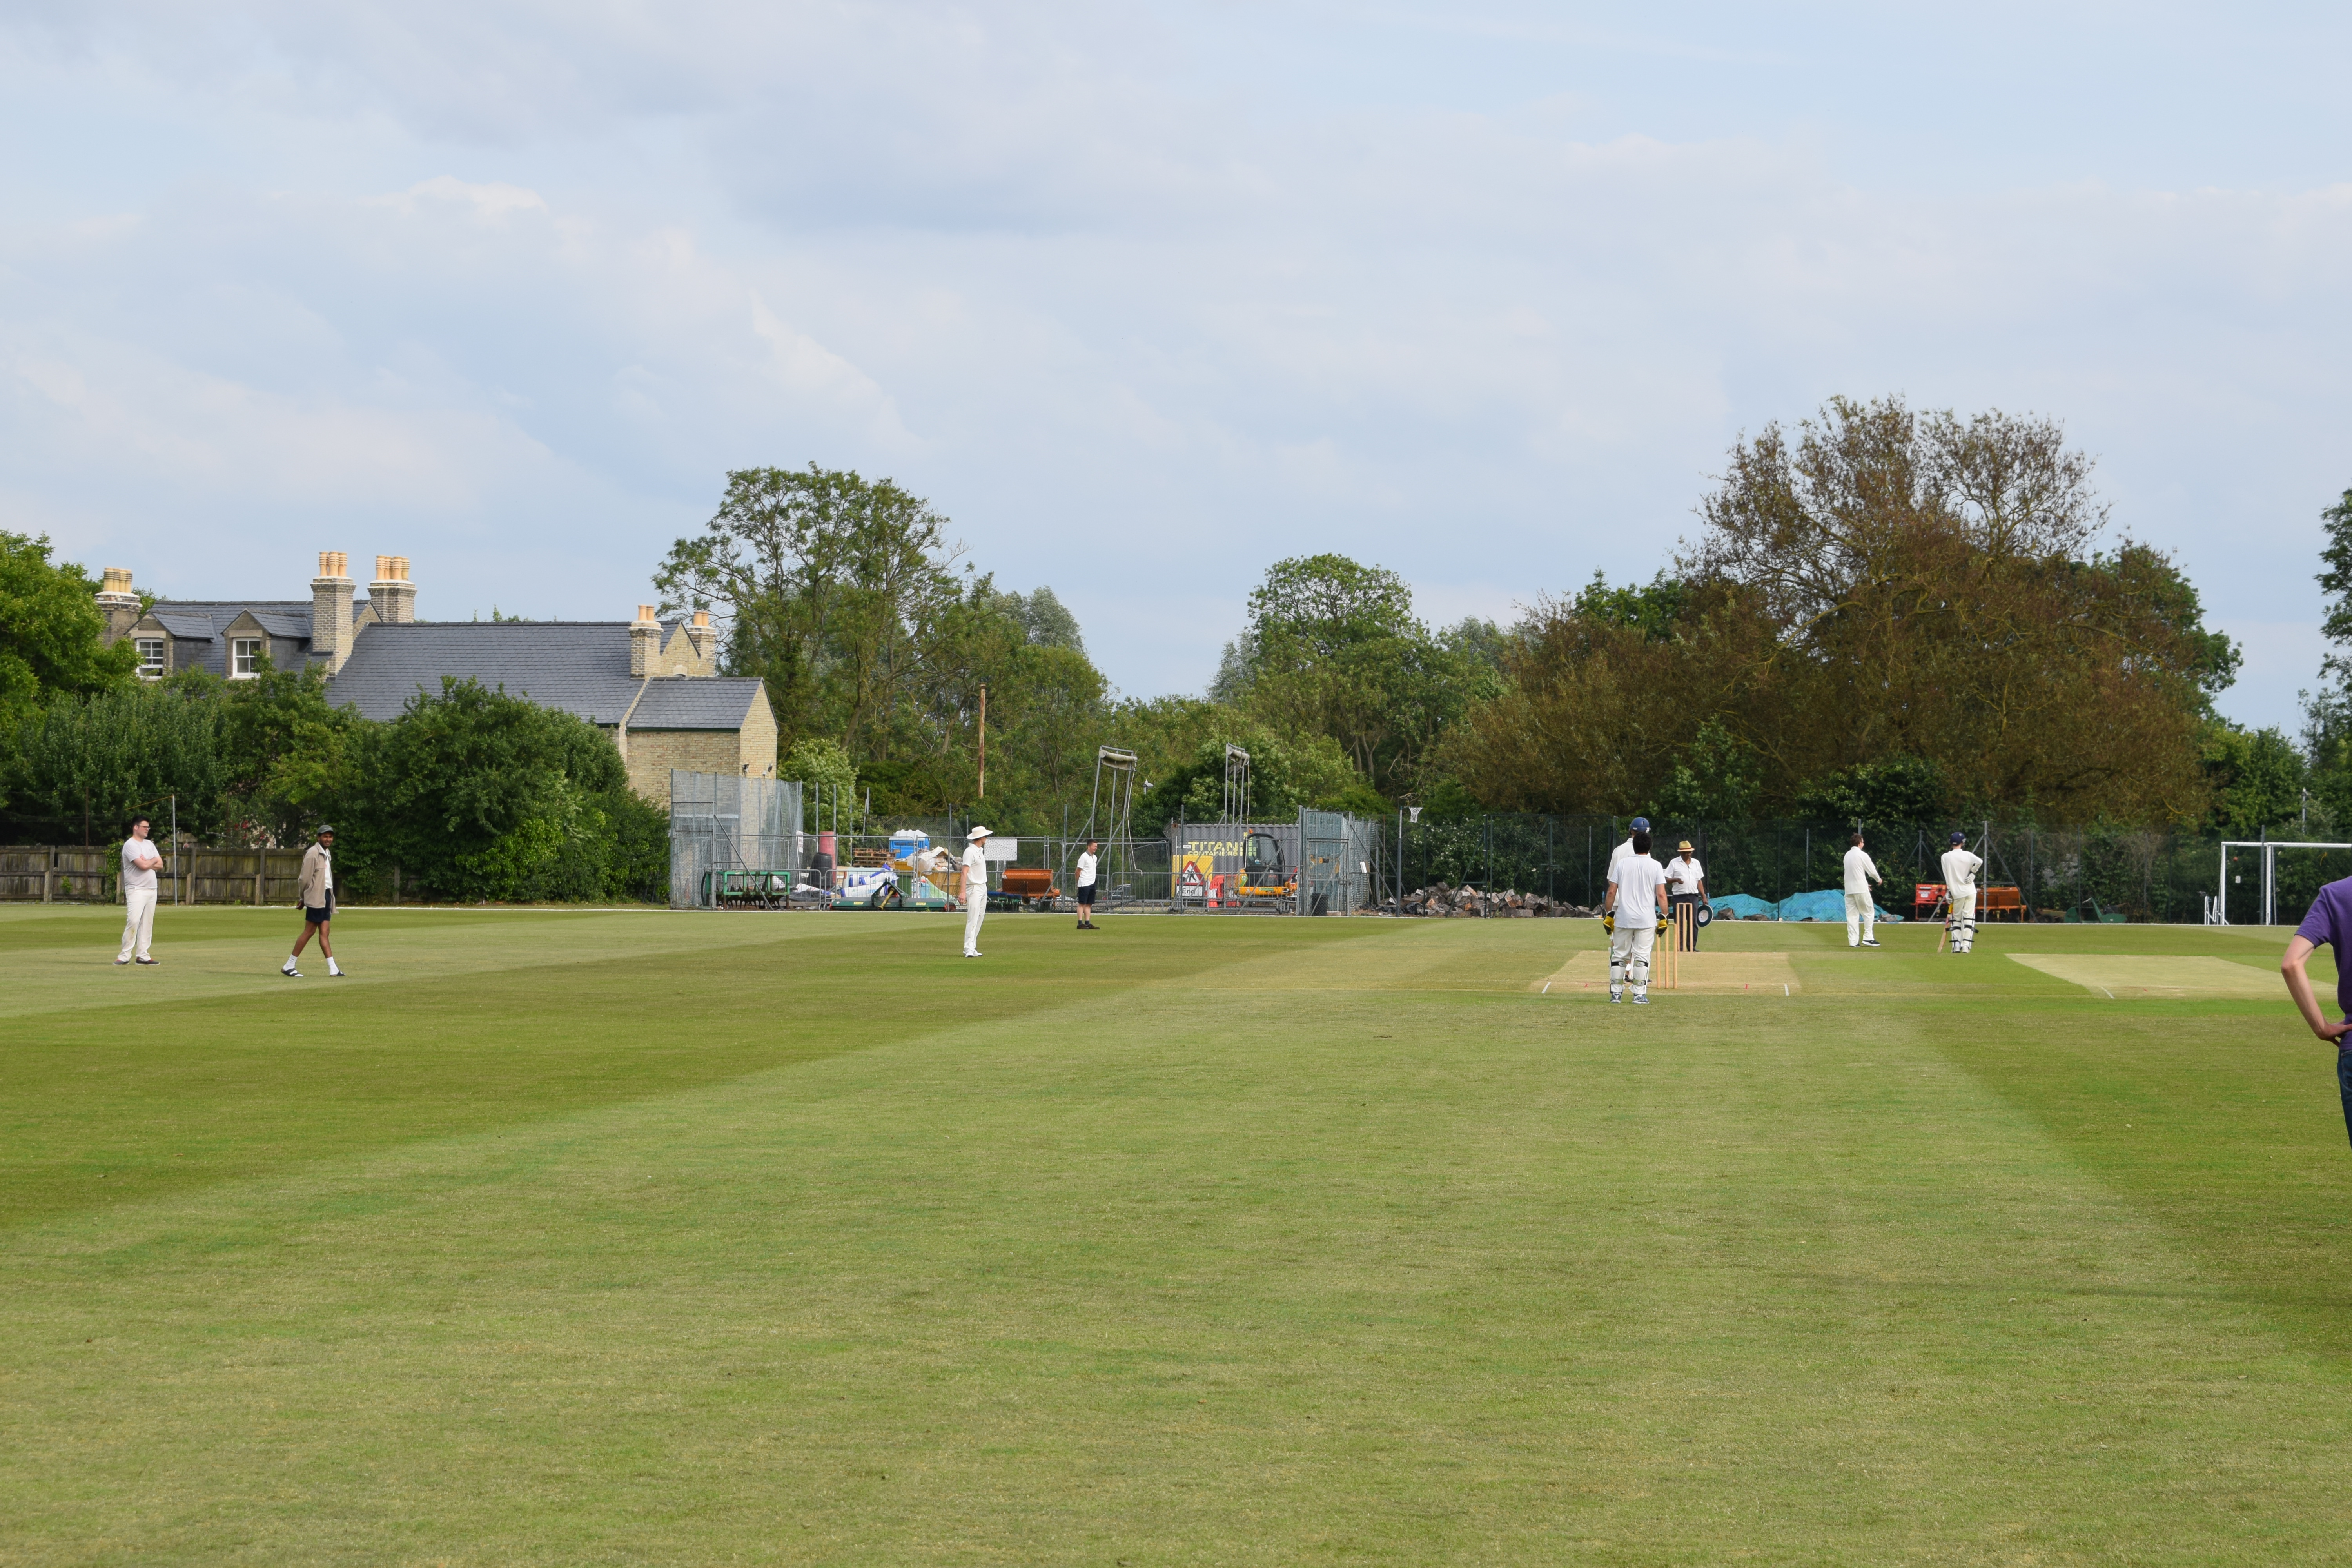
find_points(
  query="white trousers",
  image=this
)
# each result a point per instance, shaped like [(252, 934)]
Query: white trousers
[(1964, 920), (138, 921), (1629, 953), (1861, 914), (976, 908)]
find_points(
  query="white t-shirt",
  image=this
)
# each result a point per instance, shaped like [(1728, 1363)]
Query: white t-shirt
[(1683, 873), (975, 869), (134, 875), (327, 867), (1086, 871), (1638, 880), (1861, 870), (1961, 869), (1617, 857)]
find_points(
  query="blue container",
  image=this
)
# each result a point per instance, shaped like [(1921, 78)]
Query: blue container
[(908, 841)]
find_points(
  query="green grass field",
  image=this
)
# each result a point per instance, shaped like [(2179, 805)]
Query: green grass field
[(600, 1238)]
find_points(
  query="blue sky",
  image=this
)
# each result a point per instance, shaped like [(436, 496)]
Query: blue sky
[(1145, 296)]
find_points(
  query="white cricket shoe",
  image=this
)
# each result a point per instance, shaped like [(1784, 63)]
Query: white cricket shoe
[(290, 971), (1872, 942)]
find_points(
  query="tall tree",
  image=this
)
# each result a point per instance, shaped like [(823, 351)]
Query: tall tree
[(1333, 648), (51, 632), (832, 589), (1875, 586)]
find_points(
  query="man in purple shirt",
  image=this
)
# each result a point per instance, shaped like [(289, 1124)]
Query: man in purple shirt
[(2329, 921)]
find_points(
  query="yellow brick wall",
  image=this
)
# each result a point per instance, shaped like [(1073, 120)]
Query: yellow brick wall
[(654, 752), (758, 741)]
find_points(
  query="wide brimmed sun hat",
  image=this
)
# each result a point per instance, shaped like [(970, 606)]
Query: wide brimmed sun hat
[(1683, 846), (977, 833)]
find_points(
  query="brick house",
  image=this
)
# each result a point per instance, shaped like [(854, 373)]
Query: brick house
[(230, 636), (653, 686)]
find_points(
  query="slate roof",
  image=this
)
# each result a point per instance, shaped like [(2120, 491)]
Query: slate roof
[(581, 667), (194, 628), (694, 702), (199, 626), (215, 616)]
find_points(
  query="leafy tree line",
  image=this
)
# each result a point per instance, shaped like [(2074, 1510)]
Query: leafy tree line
[(1890, 617), (1887, 616)]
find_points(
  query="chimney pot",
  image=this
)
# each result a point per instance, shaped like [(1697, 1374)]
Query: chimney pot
[(117, 603), (645, 642), (330, 610), (391, 594)]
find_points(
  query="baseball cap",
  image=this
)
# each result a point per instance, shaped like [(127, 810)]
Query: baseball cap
[(1958, 836), (321, 831)]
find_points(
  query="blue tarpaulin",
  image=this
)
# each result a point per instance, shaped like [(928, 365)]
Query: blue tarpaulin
[(1826, 905)]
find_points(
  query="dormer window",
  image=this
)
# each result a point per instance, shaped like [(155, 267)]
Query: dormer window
[(150, 658), (244, 657)]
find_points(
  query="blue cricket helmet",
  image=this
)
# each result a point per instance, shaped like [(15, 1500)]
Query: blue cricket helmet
[(1641, 825)]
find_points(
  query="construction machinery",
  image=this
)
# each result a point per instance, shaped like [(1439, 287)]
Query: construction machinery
[(1266, 882)]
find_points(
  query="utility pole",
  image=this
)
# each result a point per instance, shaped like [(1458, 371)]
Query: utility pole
[(983, 742)]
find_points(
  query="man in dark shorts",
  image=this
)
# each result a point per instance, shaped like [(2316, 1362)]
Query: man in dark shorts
[(1087, 864), (318, 902), (2329, 923)]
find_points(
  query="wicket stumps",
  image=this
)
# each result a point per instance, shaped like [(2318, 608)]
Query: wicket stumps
[(1676, 936)]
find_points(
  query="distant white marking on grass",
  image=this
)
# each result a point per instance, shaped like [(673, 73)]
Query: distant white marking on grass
[(1547, 990), (1784, 988), (2111, 995)]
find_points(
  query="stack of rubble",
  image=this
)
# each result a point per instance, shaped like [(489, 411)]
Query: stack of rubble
[(1444, 902)]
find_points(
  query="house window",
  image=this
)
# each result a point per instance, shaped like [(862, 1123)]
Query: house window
[(244, 657), (150, 656)]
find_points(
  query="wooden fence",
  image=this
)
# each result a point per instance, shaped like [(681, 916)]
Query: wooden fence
[(53, 874)]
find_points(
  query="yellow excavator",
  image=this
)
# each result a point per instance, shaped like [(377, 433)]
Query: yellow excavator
[(1264, 879)]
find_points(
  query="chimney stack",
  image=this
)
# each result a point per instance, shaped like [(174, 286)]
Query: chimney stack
[(118, 603), (645, 642), (704, 637), (330, 610), (391, 594)]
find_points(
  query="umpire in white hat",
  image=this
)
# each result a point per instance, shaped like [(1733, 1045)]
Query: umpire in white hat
[(975, 889)]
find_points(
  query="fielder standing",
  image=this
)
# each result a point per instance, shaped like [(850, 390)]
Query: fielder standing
[(139, 863), (1088, 863), (318, 903), (1637, 897), (1960, 867), (1861, 909), (1686, 884), (975, 889)]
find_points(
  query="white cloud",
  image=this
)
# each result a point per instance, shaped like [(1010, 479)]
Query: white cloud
[(1141, 296)]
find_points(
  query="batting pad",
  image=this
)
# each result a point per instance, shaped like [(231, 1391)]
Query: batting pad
[(2123, 978)]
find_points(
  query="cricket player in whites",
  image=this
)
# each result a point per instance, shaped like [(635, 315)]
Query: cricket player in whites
[(1861, 909), (975, 889), (1960, 868), (1637, 899)]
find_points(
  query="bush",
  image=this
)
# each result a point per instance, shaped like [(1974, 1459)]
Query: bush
[(476, 794)]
